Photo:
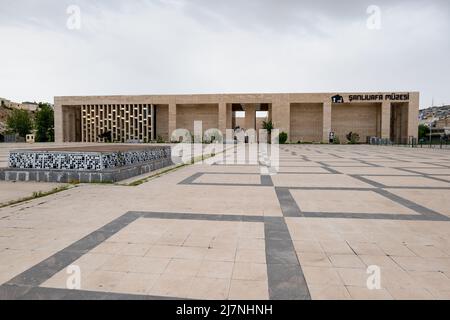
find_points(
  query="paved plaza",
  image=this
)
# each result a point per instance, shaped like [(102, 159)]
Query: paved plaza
[(226, 231)]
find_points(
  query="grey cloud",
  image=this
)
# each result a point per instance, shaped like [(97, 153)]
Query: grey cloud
[(186, 46)]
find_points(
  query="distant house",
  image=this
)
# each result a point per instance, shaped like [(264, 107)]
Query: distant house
[(29, 106), (4, 102), (443, 122)]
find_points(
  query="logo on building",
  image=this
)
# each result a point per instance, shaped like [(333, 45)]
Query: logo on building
[(337, 99)]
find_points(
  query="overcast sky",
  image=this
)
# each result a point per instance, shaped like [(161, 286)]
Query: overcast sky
[(223, 46)]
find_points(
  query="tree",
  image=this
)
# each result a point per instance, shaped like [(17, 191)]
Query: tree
[(268, 125), (44, 123), (423, 131), (19, 121)]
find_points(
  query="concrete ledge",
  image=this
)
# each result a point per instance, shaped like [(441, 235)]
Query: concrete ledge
[(98, 176)]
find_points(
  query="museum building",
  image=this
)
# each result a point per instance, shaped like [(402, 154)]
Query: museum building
[(305, 117)]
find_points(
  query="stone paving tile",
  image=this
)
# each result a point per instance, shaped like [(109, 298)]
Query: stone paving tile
[(314, 259), (338, 201), (248, 290), (308, 246), (10, 191), (329, 292), (209, 288), (436, 200), (317, 180), (229, 178), (206, 259), (408, 181), (346, 261), (249, 271), (361, 293), (322, 276), (410, 294)]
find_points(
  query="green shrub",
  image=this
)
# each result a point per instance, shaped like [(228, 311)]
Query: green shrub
[(282, 137)]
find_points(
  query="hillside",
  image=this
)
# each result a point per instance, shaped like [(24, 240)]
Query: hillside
[(4, 112)]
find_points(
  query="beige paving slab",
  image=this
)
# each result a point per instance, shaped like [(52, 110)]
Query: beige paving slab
[(172, 285), (433, 171), (229, 179), (408, 181), (414, 165), (372, 170), (103, 280), (410, 294), (216, 269), (284, 169), (329, 292), (347, 201), (136, 283), (209, 289), (436, 200), (312, 259), (361, 293), (227, 259), (209, 199), (14, 191), (313, 180), (346, 261), (248, 290), (249, 271), (299, 163), (322, 276), (307, 246)]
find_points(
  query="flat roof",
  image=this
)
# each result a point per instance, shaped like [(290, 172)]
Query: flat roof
[(239, 98)]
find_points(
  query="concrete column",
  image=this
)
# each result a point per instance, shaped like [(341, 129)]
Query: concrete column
[(152, 124), (413, 115), (326, 122), (222, 117), (172, 119), (58, 123), (250, 116), (386, 120), (281, 114), (229, 116)]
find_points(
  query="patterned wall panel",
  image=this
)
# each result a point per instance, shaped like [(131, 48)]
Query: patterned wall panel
[(29, 159)]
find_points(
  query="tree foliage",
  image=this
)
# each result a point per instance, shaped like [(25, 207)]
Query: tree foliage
[(44, 123), (20, 122), (423, 131), (268, 125)]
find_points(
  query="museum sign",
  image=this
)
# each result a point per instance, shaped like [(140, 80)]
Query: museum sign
[(372, 97)]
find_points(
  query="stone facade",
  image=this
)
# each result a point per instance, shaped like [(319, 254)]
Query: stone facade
[(303, 116)]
